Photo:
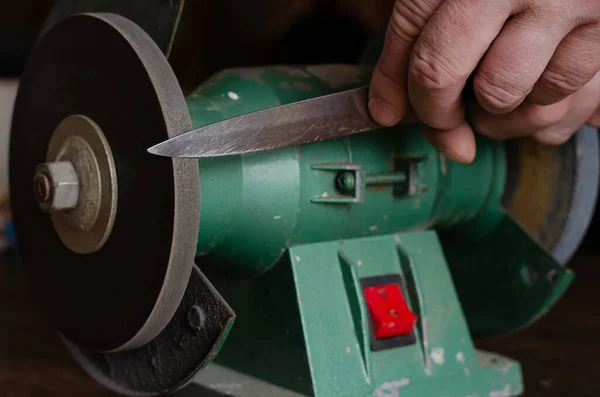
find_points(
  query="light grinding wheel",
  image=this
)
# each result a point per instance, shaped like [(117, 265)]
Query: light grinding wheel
[(97, 92), (552, 190)]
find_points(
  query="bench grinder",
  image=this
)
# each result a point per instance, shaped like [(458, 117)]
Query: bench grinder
[(358, 266)]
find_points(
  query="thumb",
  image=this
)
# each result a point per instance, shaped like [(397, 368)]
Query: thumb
[(388, 96)]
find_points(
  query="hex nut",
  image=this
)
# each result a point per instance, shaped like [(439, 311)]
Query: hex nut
[(56, 186)]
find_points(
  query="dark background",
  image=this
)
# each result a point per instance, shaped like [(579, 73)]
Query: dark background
[(560, 354)]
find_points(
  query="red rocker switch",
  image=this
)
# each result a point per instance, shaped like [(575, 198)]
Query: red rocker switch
[(390, 315)]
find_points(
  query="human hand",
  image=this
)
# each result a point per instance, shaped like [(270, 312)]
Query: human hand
[(535, 66)]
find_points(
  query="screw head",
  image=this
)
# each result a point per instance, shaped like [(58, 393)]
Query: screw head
[(346, 181), (196, 318)]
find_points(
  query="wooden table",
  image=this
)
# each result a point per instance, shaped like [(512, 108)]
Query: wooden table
[(560, 354)]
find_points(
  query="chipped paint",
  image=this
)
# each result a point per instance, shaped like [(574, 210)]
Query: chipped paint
[(297, 258), (425, 343), (443, 164), (416, 204), (325, 195), (359, 262), (302, 86), (293, 71), (397, 238), (501, 393), (253, 74), (373, 228), (503, 368), (277, 217), (348, 350), (467, 371), (460, 357), (425, 326), (437, 355), (391, 389), (233, 95)]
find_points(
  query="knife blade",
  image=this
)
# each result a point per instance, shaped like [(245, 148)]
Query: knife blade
[(326, 117)]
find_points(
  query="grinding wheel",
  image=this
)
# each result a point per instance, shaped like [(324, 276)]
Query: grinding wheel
[(552, 190), (97, 91)]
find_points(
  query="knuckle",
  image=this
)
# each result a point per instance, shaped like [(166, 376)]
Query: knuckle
[(546, 116), (412, 15), (387, 68), (498, 94), (554, 137), (482, 126), (430, 70), (407, 20), (538, 121), (400, 33), (563, 82), (543, 118), (494, 131)]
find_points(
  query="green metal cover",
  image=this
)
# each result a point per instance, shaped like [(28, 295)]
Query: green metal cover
[(286, 235)]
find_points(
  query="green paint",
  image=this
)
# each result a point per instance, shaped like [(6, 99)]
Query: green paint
[(286, 236), (256, 206), (520, 283), (306, 333)]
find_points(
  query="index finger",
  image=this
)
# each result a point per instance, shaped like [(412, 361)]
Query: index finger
[(388, 96), (446, 53)]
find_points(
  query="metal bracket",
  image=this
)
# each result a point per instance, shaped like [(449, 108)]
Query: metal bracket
[(409, 165), (189, 342), (351, 181), (355, 190)]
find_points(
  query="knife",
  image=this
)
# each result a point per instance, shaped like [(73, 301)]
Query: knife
[(312, 120)]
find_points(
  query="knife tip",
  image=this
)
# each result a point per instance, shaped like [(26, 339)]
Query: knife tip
[(155, 150)]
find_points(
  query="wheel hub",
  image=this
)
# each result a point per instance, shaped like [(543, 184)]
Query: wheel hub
[(79, 143)]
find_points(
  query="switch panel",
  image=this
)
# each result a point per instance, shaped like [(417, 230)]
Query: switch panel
[(391, 320)]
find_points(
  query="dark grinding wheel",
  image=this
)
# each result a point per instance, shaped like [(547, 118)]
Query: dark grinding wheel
[(106, 68)]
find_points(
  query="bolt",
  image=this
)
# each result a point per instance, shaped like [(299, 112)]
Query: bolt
[(553, 276), (529, 273), (43, 190), (345, 181), (56, 186), (195, 318)]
